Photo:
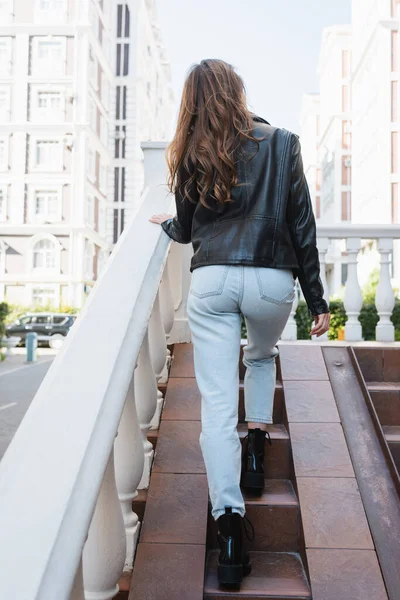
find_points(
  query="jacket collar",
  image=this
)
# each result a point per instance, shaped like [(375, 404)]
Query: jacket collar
[(258, 119)]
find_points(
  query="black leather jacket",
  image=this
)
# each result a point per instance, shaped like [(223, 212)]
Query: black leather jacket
[(269, 223)]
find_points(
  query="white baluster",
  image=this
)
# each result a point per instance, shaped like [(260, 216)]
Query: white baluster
[(385, 299), (167, 315), (146, 404), (290, 331), (166, 301), (129, 462), (323, 245), (105, 549), (158, 353), (77, 592), (352, 294)]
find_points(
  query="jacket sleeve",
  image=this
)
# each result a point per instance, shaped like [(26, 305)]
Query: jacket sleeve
[(303, 232), (180, 227)]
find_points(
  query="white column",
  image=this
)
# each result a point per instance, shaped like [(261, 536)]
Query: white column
[(77, 592), (290, 331), (323, 245), (385, 299), (352, 293), (158, 354), (105, 549), (146, 404), (129, 462)]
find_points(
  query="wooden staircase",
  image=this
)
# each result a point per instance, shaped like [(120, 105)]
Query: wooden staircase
[(309, 480)]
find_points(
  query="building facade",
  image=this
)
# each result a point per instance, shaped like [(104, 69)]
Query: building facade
[(375, 91), (63, 112)]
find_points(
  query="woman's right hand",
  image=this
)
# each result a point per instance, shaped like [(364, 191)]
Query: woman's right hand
[(321, 324)]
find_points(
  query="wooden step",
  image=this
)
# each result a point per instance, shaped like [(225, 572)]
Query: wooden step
[(278, 462), (392, 435), (275, 518), (275, 576), (387, 405)]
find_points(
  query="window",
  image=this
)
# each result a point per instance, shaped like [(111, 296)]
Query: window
[(105, 90), (395, 38), (395, 153), (60, 320), (5, 55), (44, 255), (47, 206), (103, 178), (3, 154), (395, 101), (43, 296), (346, 134), (89, 211), (92, 69), (50, 10), (123, 20), (49, 56), (3, 203), (48, 155), (4, 103), (122, 59), (103, 131)]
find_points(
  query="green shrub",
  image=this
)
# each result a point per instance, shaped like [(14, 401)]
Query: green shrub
[(4, 309)]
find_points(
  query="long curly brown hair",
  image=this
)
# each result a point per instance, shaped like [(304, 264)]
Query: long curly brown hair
[(212, 125)]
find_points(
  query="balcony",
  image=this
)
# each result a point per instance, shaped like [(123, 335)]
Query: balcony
[(103, 488)]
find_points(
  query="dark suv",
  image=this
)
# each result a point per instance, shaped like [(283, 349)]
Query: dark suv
[(50, 327)]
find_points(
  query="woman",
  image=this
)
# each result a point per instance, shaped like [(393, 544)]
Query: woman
[(243, 202)]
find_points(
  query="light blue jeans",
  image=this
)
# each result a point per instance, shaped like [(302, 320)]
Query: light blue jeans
[(218, 295)]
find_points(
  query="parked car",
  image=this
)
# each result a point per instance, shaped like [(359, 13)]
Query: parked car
[(50, 327)]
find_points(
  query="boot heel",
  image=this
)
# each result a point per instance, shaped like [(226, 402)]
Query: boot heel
[(253, 481), (230, 574)]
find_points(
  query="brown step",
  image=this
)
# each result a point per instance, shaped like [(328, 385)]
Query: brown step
[(152, 436), (275, 576), (278, 462), (392, 435), (139, 504), (387, 405), (275, 518)]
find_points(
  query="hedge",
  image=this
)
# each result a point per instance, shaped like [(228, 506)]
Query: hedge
[(368, 319)]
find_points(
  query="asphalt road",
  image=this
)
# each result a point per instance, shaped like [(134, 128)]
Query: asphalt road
[(18, 386)]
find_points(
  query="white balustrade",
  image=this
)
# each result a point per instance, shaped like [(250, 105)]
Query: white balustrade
[(105, 549), (129, 463), (61, 457), (146, 405), (323, 246), (384, 299), (167, 315)]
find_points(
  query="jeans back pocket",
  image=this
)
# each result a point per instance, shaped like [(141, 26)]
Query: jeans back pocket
[(275, 285), (208, 280)]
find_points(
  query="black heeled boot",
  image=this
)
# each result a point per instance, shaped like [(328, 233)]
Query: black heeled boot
[(253, 460), (234, 560)]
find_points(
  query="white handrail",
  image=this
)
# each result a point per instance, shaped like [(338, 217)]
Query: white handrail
[(365, 232), (51, 474)]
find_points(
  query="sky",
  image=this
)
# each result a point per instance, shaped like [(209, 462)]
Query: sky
[(274, 45)]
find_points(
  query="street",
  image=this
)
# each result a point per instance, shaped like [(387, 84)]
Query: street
[(18, 385)]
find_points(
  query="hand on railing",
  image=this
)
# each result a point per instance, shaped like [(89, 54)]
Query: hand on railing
[(321, 324), (160, 218)]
